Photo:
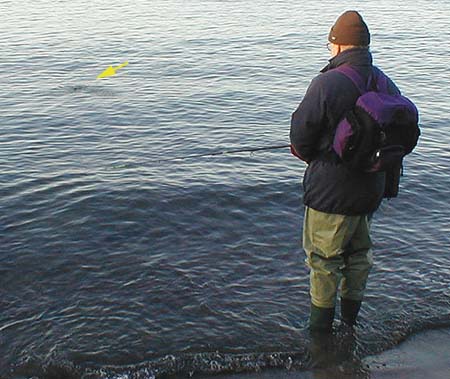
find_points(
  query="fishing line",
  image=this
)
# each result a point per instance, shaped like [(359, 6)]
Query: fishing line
[(216, 153), (223, 152), (111, 71)]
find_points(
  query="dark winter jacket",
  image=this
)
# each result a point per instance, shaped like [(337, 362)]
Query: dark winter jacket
[(328, 185)]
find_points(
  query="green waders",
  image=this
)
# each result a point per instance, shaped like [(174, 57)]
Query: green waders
[(338, 255)]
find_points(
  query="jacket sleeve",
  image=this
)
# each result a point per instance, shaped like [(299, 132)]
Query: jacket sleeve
[(307, 123)]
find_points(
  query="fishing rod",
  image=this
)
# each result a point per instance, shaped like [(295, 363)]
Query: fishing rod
[(223, 152), (193, 156)]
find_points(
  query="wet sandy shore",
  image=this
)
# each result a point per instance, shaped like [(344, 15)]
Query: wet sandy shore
[(422, 356)]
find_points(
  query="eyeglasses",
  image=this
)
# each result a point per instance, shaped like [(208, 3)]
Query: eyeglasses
[(329, 45)]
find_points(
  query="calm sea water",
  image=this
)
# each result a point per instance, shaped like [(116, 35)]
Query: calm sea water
[(116, 262)]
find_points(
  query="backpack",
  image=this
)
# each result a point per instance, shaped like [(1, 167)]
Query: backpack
[(379, 131)]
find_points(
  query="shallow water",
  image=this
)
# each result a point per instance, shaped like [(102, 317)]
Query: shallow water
[(114, 260)]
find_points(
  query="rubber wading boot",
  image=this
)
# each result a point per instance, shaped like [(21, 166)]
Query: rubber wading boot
[(349, 310), (321, 319), (321, 350)]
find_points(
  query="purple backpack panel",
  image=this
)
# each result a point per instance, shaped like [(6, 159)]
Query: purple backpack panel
[(344, 132), (384, 107), (380, 129)]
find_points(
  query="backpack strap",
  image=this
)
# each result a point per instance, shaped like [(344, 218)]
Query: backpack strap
[(381, 80), (376, 80), (354, 76)]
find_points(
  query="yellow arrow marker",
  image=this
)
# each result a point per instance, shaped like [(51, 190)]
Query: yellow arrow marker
[(110, 71)]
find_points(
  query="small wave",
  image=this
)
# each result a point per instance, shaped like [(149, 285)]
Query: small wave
[(341, 351), (186, 365)]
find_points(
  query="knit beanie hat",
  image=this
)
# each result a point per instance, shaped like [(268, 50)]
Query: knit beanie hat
[(350, 29)]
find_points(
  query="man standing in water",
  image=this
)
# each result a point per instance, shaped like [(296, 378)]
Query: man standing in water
[(337, 200)]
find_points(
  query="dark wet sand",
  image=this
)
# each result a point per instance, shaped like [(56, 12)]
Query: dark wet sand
[(422, 356)]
